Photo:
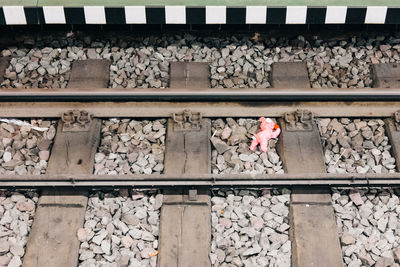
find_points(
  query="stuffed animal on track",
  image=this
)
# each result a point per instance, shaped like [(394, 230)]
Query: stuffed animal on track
[(268, 129)]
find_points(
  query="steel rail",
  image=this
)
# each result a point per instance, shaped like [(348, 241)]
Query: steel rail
[(207, 184), (234, 180), (208, 109), (199, 94)]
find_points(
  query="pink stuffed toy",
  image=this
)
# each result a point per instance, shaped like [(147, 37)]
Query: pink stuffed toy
[(268, 130)]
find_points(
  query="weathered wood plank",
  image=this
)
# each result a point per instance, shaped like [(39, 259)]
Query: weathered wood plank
[(52, 240), (394, 138), (90, 73), (313, 231), (185, 227), (186, 152), (189, 75), (61, 213), (185, 230), (315, 241), (386, 75), (290, 75), (73, 152), (306, 146)]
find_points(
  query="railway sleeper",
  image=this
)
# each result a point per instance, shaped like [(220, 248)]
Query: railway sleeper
[(61, 213), (314, 235), (185, 228)]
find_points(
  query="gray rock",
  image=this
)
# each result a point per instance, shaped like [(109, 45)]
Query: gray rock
[(273, 157), (382, 223), (347, 239), (98, 157), (15, 262), (251, 251), (280, 209), (98, 238), (257, 211), (147, 236), (87, 254), (219, 145), (91, 53), (4, 246), (106, 246), (130, 219), (141, 213), (158, 201), (4, 260), (17, 250)]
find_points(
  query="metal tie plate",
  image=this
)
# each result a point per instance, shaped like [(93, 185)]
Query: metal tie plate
[(76, 121), (187, 121), (299, 120)]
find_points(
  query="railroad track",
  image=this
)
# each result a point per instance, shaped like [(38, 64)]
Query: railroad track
[(185, 217)]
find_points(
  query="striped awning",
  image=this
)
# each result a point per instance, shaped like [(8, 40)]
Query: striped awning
[(175, 14)]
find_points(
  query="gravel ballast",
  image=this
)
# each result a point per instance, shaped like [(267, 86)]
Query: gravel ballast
[(356, 146), (37, 68), (120, 229), (368, 222), (17, 210), (129, 146), (250, 228), (26, 149), (240, 60), (231, 153)]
